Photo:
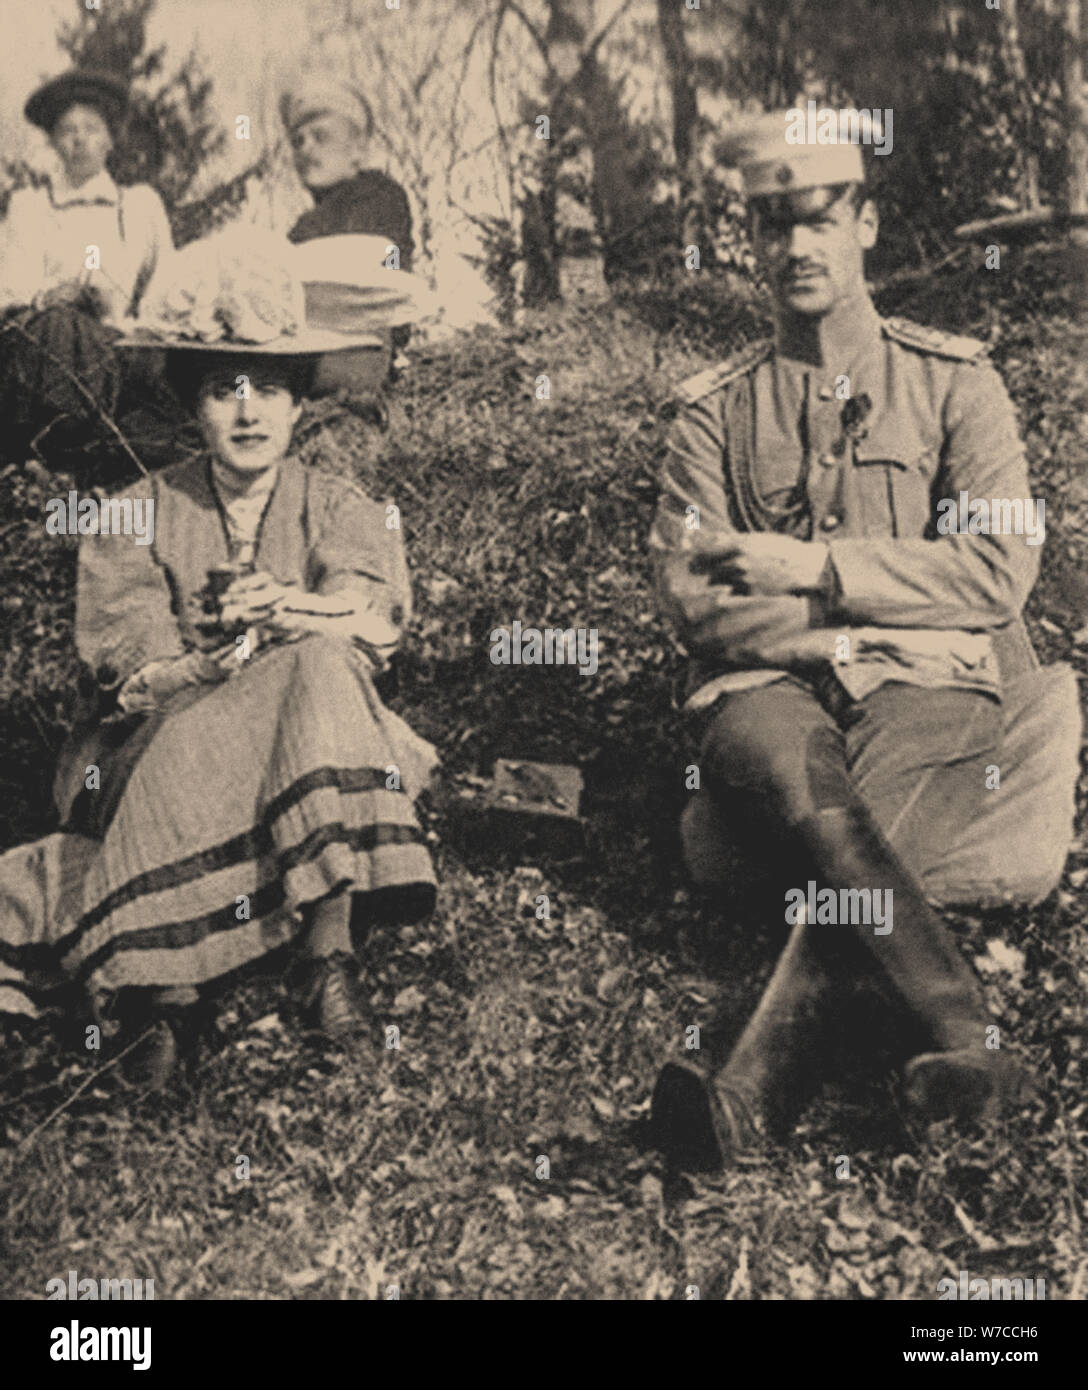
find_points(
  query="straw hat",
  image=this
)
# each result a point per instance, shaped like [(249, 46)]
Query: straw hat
[(348, 285)]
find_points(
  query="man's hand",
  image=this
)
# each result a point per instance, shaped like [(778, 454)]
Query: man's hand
[(765, 564)]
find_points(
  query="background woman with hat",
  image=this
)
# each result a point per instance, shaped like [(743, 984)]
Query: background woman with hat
[(254, 790), (76, 256)]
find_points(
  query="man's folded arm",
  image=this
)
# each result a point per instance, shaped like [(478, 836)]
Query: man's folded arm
[(953, 580), (693, 516)]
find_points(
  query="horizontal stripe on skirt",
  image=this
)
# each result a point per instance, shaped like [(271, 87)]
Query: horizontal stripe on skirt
[(270, 787)]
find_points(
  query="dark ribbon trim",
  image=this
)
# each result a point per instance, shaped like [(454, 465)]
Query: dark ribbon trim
[(251, 844), (43, 960), (263, 902)]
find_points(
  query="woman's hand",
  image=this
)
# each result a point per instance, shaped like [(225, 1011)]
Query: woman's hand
[(370, 628), (250, 599), (156, 684), (287, 610), (346, 615), (335, 615)]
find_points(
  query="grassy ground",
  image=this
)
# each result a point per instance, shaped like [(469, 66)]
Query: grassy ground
[(524, 1038)]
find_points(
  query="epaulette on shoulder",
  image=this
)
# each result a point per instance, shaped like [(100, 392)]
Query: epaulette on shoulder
[(743, 361), (935, 340)]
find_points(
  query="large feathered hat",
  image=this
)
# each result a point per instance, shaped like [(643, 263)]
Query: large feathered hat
[(247, 291)]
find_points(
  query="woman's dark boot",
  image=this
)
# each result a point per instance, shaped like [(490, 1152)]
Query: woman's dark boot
[(167, 1020), (330, 995)]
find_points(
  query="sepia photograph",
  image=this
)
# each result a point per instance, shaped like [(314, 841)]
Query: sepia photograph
[(543, 641)]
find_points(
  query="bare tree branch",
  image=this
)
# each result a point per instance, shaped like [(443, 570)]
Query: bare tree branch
[(508, 160), (477, 28), (538, 38)]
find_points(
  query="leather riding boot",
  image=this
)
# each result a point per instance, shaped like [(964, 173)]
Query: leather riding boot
[(959, 1077), (773, 1067), (766, 1080)]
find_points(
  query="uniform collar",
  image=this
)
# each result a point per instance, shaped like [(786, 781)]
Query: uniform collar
[(833, 342), (100, 189), (321, 195)]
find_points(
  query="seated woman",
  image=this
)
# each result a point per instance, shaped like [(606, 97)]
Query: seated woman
[(330, 129), (247, 786), (75, 257)]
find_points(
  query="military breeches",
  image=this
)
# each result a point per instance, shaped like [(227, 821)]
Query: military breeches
[(916, 757)]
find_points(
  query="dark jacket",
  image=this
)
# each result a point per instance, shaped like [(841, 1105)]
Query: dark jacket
[(369, 204)]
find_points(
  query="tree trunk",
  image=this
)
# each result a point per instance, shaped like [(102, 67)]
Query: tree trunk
[(580, 204), (1075, 191), (1012, 53), (546, 214), (685, 108), (1076, 107)]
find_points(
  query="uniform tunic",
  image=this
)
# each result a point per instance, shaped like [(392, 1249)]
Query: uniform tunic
[(940, 610), (220, 817), (369, 204), (912, 661)]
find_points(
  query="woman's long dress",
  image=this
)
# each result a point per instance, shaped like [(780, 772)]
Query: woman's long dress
[(220, 818)]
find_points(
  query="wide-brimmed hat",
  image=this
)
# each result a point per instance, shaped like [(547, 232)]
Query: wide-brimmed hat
[(237, 292), (248, 291), (86, 86), (348, 286)]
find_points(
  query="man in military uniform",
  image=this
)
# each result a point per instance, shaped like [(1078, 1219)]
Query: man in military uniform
[(849, 659)]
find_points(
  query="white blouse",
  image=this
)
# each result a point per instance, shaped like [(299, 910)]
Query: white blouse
[(49, 234)]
